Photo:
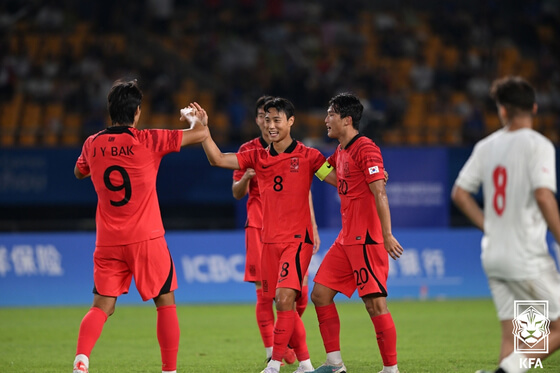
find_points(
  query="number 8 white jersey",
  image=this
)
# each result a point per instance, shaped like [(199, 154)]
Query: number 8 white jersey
[(510, 165)]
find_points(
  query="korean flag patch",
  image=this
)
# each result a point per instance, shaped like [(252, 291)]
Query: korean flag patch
[(373, 170)]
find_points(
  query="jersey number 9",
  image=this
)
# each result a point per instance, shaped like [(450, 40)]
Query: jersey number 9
[(115, 188)]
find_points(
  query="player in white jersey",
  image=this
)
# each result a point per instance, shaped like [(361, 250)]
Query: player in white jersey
[(516, 168)]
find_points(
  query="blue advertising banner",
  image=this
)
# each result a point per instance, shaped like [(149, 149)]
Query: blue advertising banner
[(56, 268), (418, 189)]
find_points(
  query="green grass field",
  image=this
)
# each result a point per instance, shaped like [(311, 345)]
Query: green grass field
[(433, 336)]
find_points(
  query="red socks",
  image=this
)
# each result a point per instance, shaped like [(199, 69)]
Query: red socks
[(283, 330), (90, 330), (265, 318), (168, 333), (386, 338), (298, 341), (329, 325), (301, 303)]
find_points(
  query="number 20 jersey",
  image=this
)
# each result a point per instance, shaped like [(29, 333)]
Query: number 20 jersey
[(510, 165), (123, 162), (358, 165)]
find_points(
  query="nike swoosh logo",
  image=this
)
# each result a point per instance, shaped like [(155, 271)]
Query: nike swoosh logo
[(263, 166), (282, 279)]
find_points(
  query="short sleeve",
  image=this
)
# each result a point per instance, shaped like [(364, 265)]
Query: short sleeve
[(470, 176), (542, 168), (81, 163), (370, 161), (247, 159)]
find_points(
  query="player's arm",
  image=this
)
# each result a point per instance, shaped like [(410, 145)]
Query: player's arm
[(316, 238), (240, 187), (78, 174), (213, 153), (549, 208), (392, 246), (467, 204), (325, 173), (198, 119)]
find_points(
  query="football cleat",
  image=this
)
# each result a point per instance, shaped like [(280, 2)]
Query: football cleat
[(326, 368), (300, 369), (80, 367), (269, 370)]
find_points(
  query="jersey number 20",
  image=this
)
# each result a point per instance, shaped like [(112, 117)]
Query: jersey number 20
[(499, 177)]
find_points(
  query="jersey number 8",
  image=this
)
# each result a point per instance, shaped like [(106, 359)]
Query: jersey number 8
[(499, 177)]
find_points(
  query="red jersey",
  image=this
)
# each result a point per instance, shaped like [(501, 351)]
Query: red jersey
[(284, 184), (358, 165), (123, 162), (254, 205)]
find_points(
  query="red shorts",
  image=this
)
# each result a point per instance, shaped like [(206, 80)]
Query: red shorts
[(253, 252), (284, 265), (346, 268), (149, 261)]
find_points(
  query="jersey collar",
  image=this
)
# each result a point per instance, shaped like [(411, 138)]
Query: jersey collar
[(115, 130), (263, 143), (289, 149), (353, 140)]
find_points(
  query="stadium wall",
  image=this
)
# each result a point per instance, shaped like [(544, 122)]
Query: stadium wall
[(39, 269)]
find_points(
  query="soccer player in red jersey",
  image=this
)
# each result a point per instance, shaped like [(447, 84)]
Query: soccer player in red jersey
[(123, 162), (358, 259), (284, 172), (244, 182)]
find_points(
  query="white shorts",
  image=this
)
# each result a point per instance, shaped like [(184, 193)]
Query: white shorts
[(544, 287)]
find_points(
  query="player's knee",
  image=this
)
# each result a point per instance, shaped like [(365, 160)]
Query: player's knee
[(375, 306)]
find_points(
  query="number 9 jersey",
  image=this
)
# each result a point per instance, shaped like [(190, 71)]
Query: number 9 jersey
[(510, 165), (123, 162)]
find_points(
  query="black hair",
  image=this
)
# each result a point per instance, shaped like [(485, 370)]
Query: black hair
[(122, 101), (348, 105), (282, 105), (260, 103), (514, 93)]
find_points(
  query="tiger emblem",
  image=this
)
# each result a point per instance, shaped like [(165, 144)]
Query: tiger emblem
[(531, 327)]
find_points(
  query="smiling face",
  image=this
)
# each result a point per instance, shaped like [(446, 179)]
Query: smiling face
[(334, 123), (277, 125), (259, 119)]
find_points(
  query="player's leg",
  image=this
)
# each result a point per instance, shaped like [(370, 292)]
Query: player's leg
[(167, 330), (264, 308), (155, 277), (504, 292), (288, 262), (264, 311), (372, 265), (334, 275), (91, 328), (385, 330), (111, 278), (303, 299)]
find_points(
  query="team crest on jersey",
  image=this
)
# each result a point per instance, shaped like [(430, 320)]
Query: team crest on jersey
[(346, 169), (294, 165)]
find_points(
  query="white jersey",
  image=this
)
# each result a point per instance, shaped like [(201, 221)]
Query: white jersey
[(510, 165)]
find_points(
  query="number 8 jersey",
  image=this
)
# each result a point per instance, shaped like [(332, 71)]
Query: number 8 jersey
[(123, 162), (510, 165)]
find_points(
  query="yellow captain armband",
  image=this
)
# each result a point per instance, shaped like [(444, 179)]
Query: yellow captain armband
[(324, 171)]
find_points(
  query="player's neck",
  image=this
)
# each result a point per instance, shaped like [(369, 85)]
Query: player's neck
[(346, 137), (282, 145), (519, 122)]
